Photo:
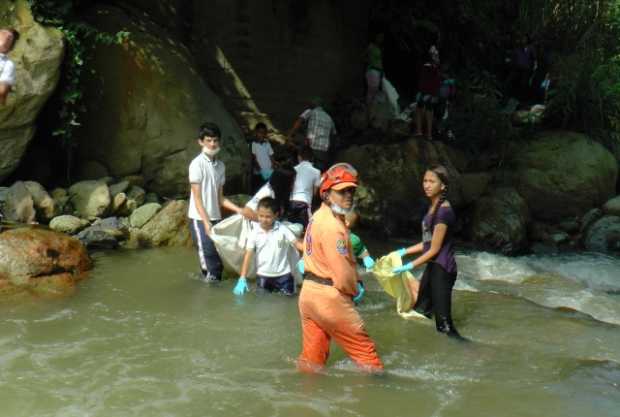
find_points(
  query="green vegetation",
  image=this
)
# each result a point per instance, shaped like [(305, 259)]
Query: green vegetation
[(80, 42)]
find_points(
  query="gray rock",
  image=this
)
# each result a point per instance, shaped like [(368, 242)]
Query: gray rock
[(143, 214), (97, 238), (120, 187), (589, 218), (90, 198), (612, 207), (3, 193), (499, 221), (604, 235), (44, 205), (541, 174), (169, 227), (68, 224), (19, 206), (115, 226), (143, 131)]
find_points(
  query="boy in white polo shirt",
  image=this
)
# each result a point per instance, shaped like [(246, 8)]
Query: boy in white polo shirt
[(270, 240), (207, 176), (262, 152), (307, 182), (8, 37)]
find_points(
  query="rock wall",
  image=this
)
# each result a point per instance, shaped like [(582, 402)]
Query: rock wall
[(145, 106), (37, 56), (266, 58)]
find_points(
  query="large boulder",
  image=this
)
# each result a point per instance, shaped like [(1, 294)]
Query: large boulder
[(40, 261), (391, 196), (90, 198), (499, 222), (563, 174), (37, 56), (604, 235), (146, 104), (169, 227)]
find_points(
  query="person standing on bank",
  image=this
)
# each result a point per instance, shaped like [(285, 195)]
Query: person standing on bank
[(207, 176), (429, 83), (437, 252), (331, 285), (320, 128), (8, 37)]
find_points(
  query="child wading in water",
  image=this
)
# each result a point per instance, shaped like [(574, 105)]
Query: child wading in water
[(437, 251), (270, 240)]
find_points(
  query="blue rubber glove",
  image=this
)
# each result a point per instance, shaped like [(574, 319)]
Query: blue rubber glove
[(369, 263), (402, 252), (266, 173), (404, 268), (301, 267), (360, 293), (241, 287)]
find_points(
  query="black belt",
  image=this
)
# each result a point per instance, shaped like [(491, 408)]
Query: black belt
[(325, 281)]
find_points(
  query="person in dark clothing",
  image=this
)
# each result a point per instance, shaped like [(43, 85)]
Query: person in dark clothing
[(437, 252), (429, 82)]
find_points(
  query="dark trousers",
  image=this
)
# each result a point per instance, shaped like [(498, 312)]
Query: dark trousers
[(435, 296), (210, 262), (321, 159), (299, 212), (284, 284)]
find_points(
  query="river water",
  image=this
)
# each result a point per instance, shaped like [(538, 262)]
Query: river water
[(144, 337)]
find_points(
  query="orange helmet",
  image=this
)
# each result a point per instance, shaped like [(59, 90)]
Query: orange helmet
[(338, 177)]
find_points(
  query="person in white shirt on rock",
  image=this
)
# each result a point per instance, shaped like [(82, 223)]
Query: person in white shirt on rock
[(307, 182), (262, 153), (320, 128), (207, 176), (8, 37), (270, 241)]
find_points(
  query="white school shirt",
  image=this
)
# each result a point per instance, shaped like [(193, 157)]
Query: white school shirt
[(262, 152), (211, 175), (7, 70), (271, 247), (307, 177), (264, 191)]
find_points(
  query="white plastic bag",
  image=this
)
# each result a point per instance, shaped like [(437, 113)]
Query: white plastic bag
[(230, 237), (392, 96)]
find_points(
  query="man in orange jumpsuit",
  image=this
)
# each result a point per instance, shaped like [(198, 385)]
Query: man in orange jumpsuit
[(331, 282)]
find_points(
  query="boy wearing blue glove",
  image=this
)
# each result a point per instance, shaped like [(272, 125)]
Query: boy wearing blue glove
[(270, 240), (359, 249)]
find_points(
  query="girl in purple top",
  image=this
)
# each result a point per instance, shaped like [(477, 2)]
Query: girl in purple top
[(437, 251)]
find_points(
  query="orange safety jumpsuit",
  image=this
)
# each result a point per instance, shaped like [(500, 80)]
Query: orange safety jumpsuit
[(328, 311)]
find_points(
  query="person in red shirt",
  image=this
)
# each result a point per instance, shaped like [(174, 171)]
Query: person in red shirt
[(429, 82), (331, 284)]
